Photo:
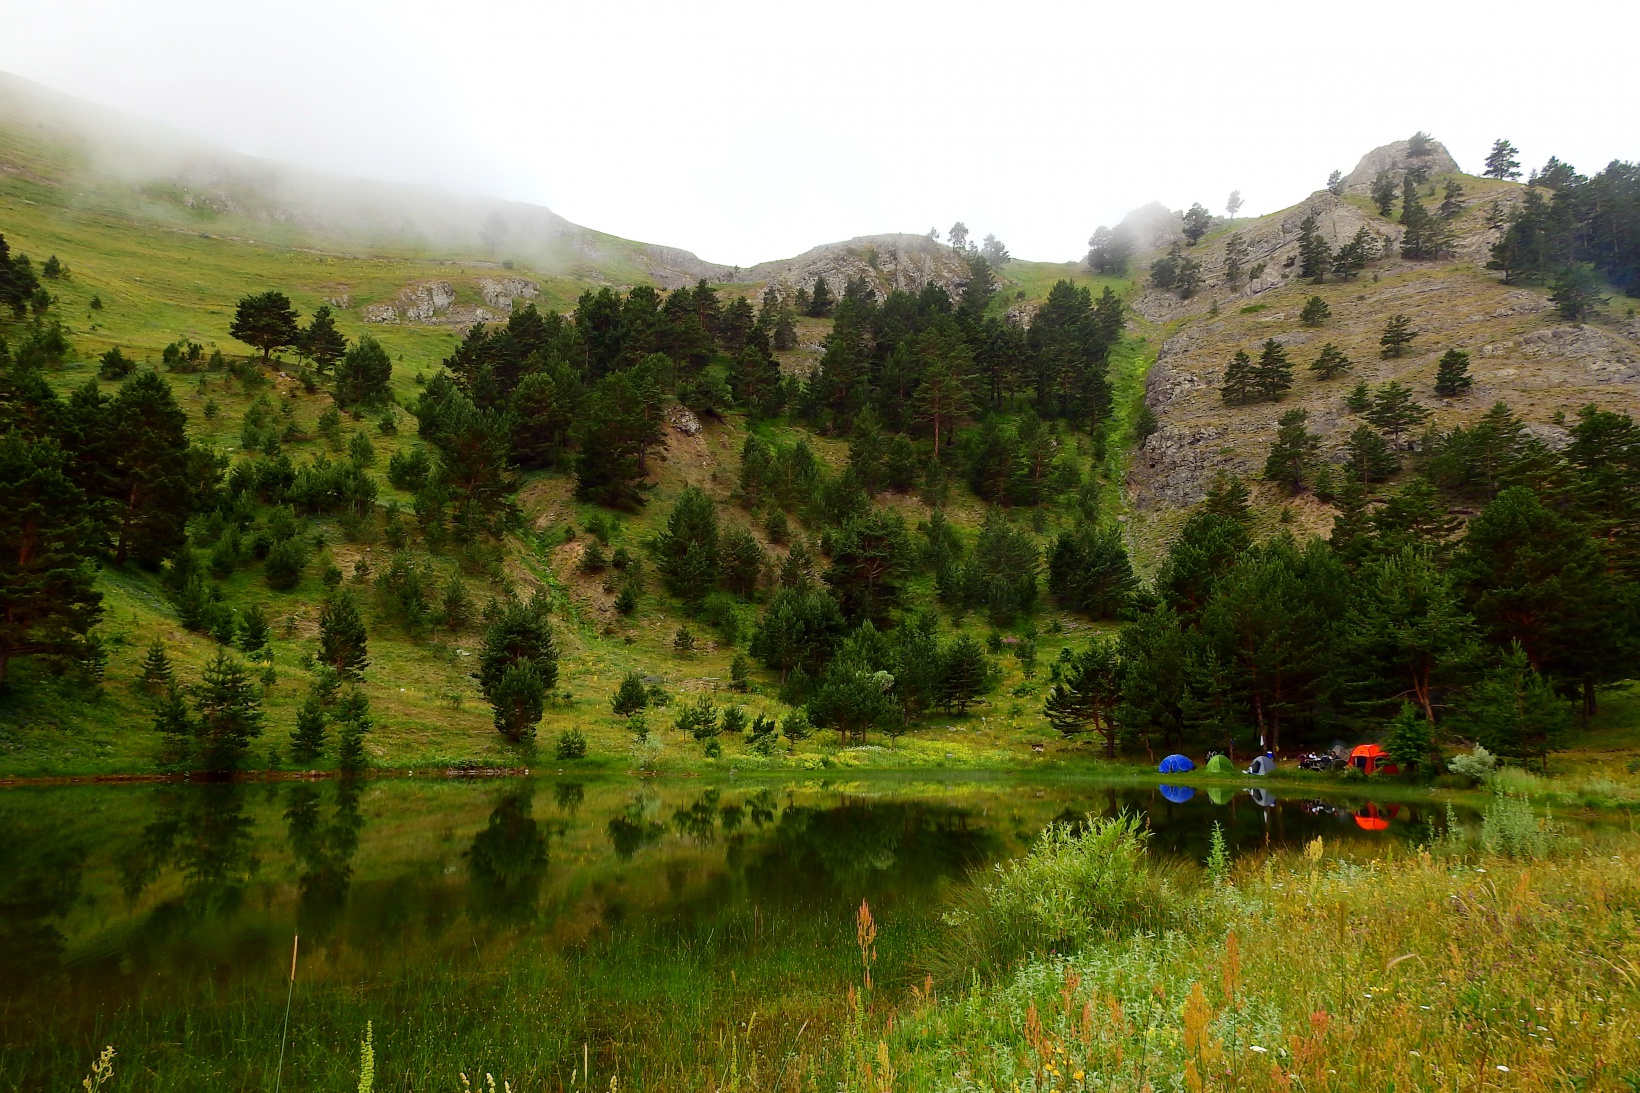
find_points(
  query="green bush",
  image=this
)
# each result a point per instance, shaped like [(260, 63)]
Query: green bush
[(572, 744), (1078, 883), (1510, 827)]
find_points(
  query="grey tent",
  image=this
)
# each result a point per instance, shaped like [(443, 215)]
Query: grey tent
[(1264, 764)]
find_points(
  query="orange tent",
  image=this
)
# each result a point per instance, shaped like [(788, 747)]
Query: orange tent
[(1372, 759), (1368, 818)]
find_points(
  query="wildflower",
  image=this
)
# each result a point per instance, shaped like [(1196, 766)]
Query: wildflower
[(1077, 1075)]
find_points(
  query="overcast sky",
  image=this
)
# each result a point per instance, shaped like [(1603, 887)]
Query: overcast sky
[(749, 131)]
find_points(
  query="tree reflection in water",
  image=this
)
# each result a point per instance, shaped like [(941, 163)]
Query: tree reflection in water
[(508, 859)]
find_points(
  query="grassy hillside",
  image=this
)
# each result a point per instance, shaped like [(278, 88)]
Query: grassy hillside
[(162, 272)]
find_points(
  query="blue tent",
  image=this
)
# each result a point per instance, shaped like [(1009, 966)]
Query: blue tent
[(1177, 794), (1176, 764)]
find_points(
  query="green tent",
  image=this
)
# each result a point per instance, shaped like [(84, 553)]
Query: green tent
[(1220, 764), (1220, 795)]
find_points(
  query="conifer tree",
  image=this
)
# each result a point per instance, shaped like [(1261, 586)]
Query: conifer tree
[(228, 712), (1513, 712), (1233, 205), (147, 469), (1197, 221), (1290, 454), (1575, 292), (157, 675), (1330, 363), (1384, 192), (1452, 374), (820, 300), (1398, 335), (1235, 254), (1314, 255), (618, 422), (254, 633), (321, 342), (1394, 411), (1335, 183), (1359, 400), (364, 373), (517, 666), (1087, 694), (687, 550), (343, 641), (942, 398), (1273, 376), (1238, 379), (965, 674), (1371, 459), (1501, 162), (1089, 571), (1315, 312), (1353, 256), (47, 602), (352, 725), (630, 697), (1351, 537), (1451, 199), (267, 322), (307, 741)]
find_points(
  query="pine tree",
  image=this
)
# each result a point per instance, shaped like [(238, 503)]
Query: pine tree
[(146, 468), (517, 666), (1314, 255), (267, 322), (1371, 460), (1451, 199), (1575, 292), (1087, 694), (942, 398), (1409, 739), (175, 724), (1513, 711), (1351, 537), (1089, 571), (1238, 379), (630, 697), (1197, 222), (1384, 192), (307, 742), (1315, 312), (47, 602), (343, 642), (1359, 400), (1290, 454), (1452, 374), (352, 725), (229, 713), (1233, 205), (254, 633), (364, 373), (1335, 183), (1331, 362), (687, 552), (321, 342), (1273, 376), (157, 675), (965, 674), (1501, 163), (1394, 411), (618, 421), (1353, 256), (1235, 253), (1398, 334), (820, 300)]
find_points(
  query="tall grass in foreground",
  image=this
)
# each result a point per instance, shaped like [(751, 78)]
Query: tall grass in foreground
[(1515, 965)]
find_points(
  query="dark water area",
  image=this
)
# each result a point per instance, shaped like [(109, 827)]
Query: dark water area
[(519, 926)]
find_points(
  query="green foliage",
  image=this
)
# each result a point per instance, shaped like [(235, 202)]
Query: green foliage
[(1394, 411), (1452, 374), (267, 322), (1237, 387), (1370, 458), (1330, 362), (114, 365), (343, 640), (966, 674), (699, 718), (517, 665), (228, 714), (157, 674), (630, 697), (518, 699), (1575, 292), (47, 603), (617, 423), (1410, 739), (353, 724), (1079, 883), (1384, 191), (1089, 571), (1315, 312), (1501, 163), (307, 741), (1513, 712), (1218, 858), (1314, 255), (1398, 335), (1290, 454), (1087, 693), (571, 744), (1511, 828)]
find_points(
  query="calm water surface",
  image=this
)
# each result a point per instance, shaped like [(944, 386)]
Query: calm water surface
[(518, 926)]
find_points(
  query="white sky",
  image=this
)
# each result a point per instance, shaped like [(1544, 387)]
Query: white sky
[(750, 131)]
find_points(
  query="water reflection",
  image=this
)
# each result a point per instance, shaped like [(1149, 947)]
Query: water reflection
[(324, 848), (507, 861)]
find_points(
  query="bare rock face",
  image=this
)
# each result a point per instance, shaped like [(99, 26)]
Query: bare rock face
[(501, 292), (1398, 157), (886, 262), (429, 302)]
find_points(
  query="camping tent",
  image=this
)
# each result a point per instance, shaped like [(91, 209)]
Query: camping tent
[(1177, 794), (1372, 759), (1220, 764), (1262, 765), (1370, 818), (1262, 797), (1220, 795), (1176, 764)]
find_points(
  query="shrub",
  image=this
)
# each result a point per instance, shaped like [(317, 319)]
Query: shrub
[(1478, 764), (286, 559), (572, 744), (1512, 829), (1078, 883)]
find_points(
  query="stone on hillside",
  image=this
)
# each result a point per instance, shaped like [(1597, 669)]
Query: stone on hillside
[(1397, 157)]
